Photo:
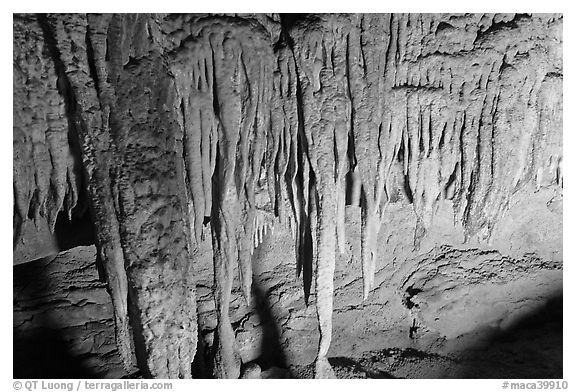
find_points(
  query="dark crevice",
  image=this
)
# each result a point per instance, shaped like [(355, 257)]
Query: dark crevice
[(287, 21), (420, 132), (553, 75), (351, 141), (215, 103), (451, 183), (443, 26), (199, 364), (407, 190), (63, 84), (304, 240), (92, 62), (137, 332), (430, 134), (461, 157), (81, 223), (272, 351), (500, 26), (107, 54), (337, 156), (504, 66), (306, 249), (76, 232), (413, 330), (410, 293), (442, 137), (184, 147)]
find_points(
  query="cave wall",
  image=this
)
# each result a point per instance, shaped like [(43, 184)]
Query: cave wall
[(401, 173), (64, 319), (458, 296)]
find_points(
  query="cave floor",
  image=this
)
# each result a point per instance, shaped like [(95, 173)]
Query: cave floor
[(530, 350)]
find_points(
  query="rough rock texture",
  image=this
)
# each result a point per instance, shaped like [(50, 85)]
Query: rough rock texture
[(432, 128), (46, 172), (289, 335), (63, 319), (419, 322)]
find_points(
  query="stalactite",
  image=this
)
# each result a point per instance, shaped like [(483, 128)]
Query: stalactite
[(23, 173), (226, 54), (190, 120), (231, 87), (367, 49), (320, 56), (57, 140), (73, 180), (63, 31), (41, 130), (194, 84), (152, 199), (291, 178), (452, 85), (253, 136)]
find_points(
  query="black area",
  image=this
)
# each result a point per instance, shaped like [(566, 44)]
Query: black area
[(107, 54), (413, 330), (349, 187), (42, 352), (504, 66), (76, 232), (352, 150), (403, 154), (442, 137), (501, 26), (287, 21), (306, 245), (407, 190), (347, 365), (554, 75), (215, 102), (91, 61), (199, 364), (272, 353), (411, 292), (443, 26), (531, 349), (16, 223), (33, 206)]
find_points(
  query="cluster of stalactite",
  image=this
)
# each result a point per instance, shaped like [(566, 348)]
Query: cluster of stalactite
[(186, 120), (46, 179)]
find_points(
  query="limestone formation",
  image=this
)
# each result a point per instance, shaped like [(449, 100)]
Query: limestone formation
[(217, 130)]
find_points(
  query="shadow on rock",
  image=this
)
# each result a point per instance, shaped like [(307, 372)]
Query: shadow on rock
[(532, 348), (44, 354), (272, 360), (41, 351), (349, 368)]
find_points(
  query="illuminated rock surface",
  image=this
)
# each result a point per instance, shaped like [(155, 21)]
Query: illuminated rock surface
[(288, 189)]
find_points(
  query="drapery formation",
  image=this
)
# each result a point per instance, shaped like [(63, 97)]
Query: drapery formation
[(185, 121)]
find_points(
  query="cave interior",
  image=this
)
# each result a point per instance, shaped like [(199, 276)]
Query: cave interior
[(287, 195)]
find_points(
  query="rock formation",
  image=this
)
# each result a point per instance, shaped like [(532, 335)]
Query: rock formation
[(178, 129)]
